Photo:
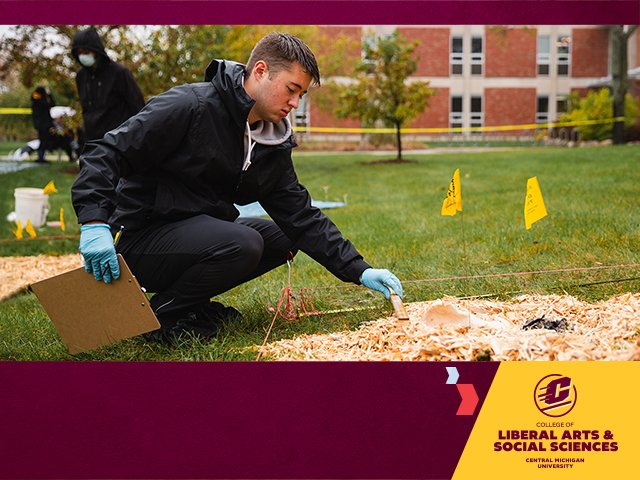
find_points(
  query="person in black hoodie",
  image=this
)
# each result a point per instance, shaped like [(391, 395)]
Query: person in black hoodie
[(41, 103), (168, 178), (108, 92)]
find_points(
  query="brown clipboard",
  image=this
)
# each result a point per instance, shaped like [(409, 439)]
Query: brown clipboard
[(89, 314)]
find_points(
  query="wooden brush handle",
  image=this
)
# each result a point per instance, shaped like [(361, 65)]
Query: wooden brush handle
[(401, 313)]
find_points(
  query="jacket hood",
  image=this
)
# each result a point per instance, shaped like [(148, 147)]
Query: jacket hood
[(228, 78), (89, 40), (268, 133)]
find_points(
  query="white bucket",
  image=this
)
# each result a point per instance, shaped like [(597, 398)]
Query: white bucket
[(31, 204)]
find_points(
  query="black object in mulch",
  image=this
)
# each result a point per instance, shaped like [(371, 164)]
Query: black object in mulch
[(561, 325)]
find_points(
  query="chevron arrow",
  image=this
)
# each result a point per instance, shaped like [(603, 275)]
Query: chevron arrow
[(469, 399), (453, 375)]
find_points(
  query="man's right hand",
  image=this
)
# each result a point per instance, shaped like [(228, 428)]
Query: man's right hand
[(381, 280), (96, 246)]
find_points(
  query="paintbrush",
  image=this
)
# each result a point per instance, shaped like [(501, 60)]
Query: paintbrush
[(398, 307)]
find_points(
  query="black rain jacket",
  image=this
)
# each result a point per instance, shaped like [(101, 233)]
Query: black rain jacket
[(108, 92), (182, 156)]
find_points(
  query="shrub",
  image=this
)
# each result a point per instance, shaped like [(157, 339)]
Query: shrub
[(598, 105)]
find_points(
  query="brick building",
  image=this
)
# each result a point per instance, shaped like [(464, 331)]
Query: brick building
[(491, 75)]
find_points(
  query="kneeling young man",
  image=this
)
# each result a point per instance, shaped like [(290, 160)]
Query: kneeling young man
[(171, 174)]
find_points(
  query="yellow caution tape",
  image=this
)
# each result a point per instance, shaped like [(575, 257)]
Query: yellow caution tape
[(15, 111), (496, 128)]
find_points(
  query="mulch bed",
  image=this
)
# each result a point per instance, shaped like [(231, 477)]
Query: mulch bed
[(450, 329), (557, 327)]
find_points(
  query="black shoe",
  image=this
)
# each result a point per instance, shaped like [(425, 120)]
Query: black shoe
[(171, 330), (216, 312), (203, 323), (163, 334)]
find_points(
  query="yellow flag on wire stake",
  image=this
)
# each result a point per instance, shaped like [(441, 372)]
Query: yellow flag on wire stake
[(18, 232), (453, 201), (534, 208), (49, 188), (62, 219), (30, 230)]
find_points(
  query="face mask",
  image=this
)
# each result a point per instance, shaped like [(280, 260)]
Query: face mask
[(87, 59)]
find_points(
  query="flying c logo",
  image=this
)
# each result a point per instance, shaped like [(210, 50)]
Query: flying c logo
[(555, 395)]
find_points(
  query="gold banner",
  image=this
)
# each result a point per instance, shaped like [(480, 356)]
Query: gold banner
[(557, 420)]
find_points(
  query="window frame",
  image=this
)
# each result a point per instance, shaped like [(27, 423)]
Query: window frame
[(542, 116), (563, 58), (456, 59), (456, 118), (543, 59), (476, 119), (477, 58)]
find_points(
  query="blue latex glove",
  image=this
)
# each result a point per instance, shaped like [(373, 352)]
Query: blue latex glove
[(381, 279), (96, 246)]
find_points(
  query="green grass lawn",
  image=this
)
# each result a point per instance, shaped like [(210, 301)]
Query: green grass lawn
[(393, 217)]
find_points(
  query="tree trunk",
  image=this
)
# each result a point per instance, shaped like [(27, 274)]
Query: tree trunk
[(619, 80), (399, 141)]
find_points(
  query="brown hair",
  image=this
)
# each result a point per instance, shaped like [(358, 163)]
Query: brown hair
[(280, 50)]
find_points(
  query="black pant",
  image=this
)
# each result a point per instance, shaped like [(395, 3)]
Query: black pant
[(192, 260), (45, 138)]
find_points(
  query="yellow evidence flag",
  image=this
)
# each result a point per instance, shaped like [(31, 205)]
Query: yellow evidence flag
[(30, 230), (49, 188), (534, 208), (453, 201), (18, 232), (62, 219)]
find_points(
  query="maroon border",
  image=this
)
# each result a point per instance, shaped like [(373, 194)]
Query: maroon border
[(241, 420), (316, 12), (234, 420)]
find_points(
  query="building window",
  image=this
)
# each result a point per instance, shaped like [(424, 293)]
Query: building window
[(370, 42), (456, 56), (301, 118), (542, 109), (562, 104), (477, 55), (544, 54), (564, 54), (477, 117), (455, 114)]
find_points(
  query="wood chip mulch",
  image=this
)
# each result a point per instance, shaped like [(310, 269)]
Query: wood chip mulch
[(452, 329), (448, 329), (16, 273)]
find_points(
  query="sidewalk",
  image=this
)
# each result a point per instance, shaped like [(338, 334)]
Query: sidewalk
[(9, 166), (424, 151)]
